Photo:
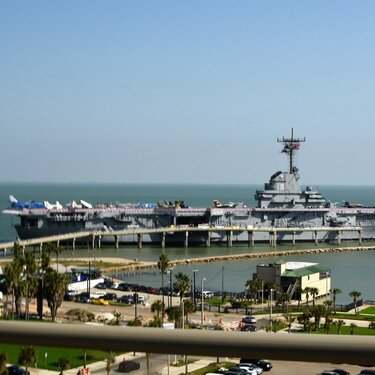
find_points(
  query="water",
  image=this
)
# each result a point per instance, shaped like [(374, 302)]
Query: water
[(350, 271)]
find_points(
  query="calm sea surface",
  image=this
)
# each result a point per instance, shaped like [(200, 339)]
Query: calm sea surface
[(350, 271)]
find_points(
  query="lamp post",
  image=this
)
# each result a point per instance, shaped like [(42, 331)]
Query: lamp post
[(271, 292), (194, 273), (202, 306), (170, 287)]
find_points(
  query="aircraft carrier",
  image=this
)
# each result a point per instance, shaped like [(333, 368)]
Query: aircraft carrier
[(283, 208)]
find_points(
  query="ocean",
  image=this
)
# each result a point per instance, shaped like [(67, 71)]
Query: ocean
[(350, 271)]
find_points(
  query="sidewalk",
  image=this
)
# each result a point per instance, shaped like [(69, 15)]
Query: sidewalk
[(173, 370)]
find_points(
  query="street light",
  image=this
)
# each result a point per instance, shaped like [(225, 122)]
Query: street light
[(194, 273), (170, 272), (271, 292), (202, 306)]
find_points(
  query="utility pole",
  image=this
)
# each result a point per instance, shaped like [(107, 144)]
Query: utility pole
[(194, 293), (222, 284), (202, 300)]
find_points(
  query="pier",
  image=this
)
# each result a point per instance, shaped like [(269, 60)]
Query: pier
[(228, 232)]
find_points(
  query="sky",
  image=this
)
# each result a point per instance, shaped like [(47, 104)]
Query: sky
[(186, 92)]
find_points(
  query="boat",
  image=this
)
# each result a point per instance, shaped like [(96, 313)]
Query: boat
[(284, 212)]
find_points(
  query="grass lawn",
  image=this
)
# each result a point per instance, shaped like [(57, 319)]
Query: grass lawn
[(368, 310), (212, 367), (352, 317), (345, 330), (49, 361)]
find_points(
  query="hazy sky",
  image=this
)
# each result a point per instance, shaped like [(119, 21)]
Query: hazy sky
[(193, 91)]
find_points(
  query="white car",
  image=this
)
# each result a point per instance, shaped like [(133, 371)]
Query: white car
[(250, 367)]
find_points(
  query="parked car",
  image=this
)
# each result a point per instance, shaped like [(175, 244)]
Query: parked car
[(101, 286), (99, 301), (328, 373), (248, 370), (249, 319), (128, 366), (262, 363), (248, 328), (110, 297), (367, 372), (126, 299), (340, 371), (83, 297)]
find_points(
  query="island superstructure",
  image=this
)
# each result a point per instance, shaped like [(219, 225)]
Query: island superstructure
[(282, 208)]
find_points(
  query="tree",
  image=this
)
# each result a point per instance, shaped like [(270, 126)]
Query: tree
[(317, 312), (15, 285), (339, 323), (335, 292), (157, 307), (314, 292), (55, 286), (27, 356), (353, 326), (3, 363), (182, 284), (189, 308), (355, 295), (109, 361), (283, 300), (30, 268), (175, 315), (304, 319), (64, 364), (253, 286), (307, 291), (289, 319), (54, 247), (327, 324), (163, 265)]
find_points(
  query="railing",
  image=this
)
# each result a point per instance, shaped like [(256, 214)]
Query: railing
[(290, 347)]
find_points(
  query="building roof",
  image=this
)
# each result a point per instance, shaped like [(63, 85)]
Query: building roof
[(309, 270)]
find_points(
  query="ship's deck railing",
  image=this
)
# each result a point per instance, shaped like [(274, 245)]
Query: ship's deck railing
[(180, 211), (291, 347)]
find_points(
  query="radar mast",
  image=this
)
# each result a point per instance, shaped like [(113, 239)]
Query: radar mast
[(291, 145)]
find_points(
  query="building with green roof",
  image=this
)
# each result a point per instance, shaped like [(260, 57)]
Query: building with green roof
[(292, 277)]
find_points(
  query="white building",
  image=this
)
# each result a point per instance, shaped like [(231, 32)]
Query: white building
[(289, 276)]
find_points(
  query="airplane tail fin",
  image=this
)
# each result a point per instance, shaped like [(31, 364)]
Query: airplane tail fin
[(12, 199)]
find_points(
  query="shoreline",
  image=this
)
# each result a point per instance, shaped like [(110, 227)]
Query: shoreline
[(139, 265), (124, 264)]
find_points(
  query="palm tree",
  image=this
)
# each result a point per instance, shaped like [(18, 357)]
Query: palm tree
[(355, 295), (109, 361), (335, 292), (27, 356), (327, 324), (289, 319), (13, 276), (307, 291), (253, 286), (55, 286), (339, 323), (181, 287), (3, 363), (30, 268), (189, 308), (353, 326), (182, 284), (54, 247), (314, 291), (163, 265), (64, 364), (157, 307), (283, 300)]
